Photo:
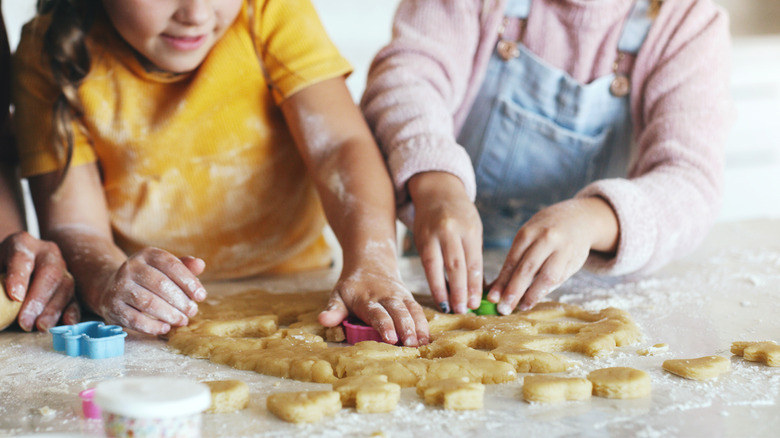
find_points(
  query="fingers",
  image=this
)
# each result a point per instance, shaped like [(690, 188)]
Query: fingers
[(63, 294), (455, 265), (166, 277), (527, 293), (130, 317), (163, 287), (513, 259), (194, 264), (18, 255), (72, 313), (50, 289), (403, 322), (378, 317), (151, 304), (152, 291), (178, 271), (335, 313), (387, 306), (461, 259), (420, 322), (474, 268), (431, 258), (533, 270)]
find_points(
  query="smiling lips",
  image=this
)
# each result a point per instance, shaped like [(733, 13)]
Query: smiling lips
[(185, 43)]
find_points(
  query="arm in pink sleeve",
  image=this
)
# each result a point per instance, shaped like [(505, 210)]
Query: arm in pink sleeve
[(671, 198), (415, 86)]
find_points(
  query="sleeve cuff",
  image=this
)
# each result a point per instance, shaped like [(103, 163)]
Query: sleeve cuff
[(638, 227), (427, 154)]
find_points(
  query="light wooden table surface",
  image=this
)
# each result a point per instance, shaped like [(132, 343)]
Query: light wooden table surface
[(728, 290)]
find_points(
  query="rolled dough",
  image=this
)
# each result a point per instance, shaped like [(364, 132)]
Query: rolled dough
[(9, 309)]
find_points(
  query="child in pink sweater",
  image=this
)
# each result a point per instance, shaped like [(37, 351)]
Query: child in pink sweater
[(571, 132)]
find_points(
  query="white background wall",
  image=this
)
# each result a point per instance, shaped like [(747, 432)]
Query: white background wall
[(361, 27)]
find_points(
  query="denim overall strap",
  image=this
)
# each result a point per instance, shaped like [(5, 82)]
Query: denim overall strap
[(517, 8), (636, 28), (536, 136)]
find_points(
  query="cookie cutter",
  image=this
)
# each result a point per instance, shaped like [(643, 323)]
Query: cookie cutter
[(92, 339), (356, 331), (485, 308), (88, 406)]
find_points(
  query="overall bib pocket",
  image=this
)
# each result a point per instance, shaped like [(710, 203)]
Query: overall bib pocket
[(528, 162)]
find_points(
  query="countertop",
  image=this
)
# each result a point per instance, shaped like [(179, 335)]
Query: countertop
[(724, 292)]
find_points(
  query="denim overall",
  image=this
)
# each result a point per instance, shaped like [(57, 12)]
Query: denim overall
[(536, 136)]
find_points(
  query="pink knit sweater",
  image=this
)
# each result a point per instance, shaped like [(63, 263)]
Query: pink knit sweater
[(421, 87)]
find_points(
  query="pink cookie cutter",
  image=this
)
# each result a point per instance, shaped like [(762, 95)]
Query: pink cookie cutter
[(91, 410), (356, 331)]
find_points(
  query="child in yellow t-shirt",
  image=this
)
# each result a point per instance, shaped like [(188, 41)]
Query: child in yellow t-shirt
[(167, 128)]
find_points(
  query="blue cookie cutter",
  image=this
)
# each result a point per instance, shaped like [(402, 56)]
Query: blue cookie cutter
[(92, 339)]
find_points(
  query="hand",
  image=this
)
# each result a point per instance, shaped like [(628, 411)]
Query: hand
[(381, 300), (36, 275), (448, 236), (151, 291), (551, 247)]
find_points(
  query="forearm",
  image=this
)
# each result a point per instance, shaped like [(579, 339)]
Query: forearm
[(73, 213), (357, 198), (415, 90), (11, 218)]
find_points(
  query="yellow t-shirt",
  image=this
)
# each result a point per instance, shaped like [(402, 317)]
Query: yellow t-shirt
[(199, 164)]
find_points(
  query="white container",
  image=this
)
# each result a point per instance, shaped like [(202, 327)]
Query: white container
[(152, 407)]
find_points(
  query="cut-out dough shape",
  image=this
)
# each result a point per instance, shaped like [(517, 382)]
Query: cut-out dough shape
[(653, 350), (555, 389), (227, 396), (620, 382), (278, 335), (703, 368), (455, 393), (368, 394), (767, 352), (304, 407)]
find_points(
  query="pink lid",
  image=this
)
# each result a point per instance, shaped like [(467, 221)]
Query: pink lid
[(91, 410)]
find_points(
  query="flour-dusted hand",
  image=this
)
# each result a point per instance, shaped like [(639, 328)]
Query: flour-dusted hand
[(382, 301), (152, 291), (36, 275), (551, 247), (448, 236)]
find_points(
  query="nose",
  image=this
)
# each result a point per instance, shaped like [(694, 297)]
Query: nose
[(193, 12)]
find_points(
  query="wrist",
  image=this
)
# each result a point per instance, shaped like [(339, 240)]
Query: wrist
[(372, 254), (436, 185), (605, 223)]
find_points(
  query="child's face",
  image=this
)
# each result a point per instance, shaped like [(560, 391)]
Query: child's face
[(173, 35)]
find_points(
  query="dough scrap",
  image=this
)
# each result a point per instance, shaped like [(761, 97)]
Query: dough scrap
[(305, 406), (767, 352), (703, 368), (278, 335), (227, 396), (9, 309), (653, 350), (368, 394), (456, 393), (532, 361), (620, 382), (555, 389)]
